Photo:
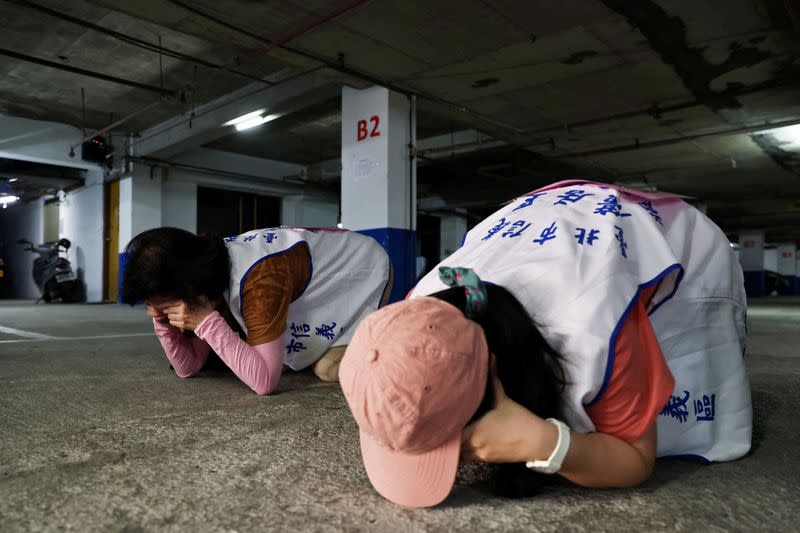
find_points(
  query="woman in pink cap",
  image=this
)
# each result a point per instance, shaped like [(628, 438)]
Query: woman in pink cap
[(614, 320)]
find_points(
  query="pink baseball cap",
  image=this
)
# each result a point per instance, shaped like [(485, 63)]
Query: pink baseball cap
[(413, 375)]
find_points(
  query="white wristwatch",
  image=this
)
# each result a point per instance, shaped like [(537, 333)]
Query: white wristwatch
[(553, 463)]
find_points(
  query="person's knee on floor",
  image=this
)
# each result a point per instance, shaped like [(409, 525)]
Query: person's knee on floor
[(327, 368)]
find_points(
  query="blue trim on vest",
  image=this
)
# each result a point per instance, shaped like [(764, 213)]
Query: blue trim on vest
[(244, 277), (671, 294), (613, 341), (689, 456), (401, 246)]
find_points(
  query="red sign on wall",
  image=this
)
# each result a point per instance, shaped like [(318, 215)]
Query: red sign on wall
[(364, 131), (749, 244)]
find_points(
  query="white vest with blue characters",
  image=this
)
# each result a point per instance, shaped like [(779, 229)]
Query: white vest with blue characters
[(577, 254), (347, 277)]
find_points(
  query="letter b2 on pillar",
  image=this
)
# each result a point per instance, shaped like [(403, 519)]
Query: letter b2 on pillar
[(379, 175)]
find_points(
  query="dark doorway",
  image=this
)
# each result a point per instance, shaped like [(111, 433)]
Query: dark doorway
[(222, 213), (428, 241)]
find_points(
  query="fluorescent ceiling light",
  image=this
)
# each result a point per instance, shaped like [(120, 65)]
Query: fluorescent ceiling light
[(12, 180), (248, 116), (253, 122), (5, 200), (788, 137)]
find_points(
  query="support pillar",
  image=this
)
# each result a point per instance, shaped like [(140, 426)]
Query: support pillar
[(787, 266), (379, 175), (751, 255), (453, 231), (139, 208)]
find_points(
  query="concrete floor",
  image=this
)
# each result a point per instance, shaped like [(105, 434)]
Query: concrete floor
[(99, 434)]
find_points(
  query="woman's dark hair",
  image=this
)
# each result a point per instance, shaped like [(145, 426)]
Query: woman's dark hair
[(529, 369), (172, 262)]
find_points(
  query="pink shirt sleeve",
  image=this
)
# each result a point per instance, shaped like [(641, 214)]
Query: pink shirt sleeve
[(186, 355), (259, 367)]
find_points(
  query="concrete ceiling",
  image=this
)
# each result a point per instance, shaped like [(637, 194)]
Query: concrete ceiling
[(657, 92)]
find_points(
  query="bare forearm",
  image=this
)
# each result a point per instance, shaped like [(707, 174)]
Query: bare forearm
[(602, 461)]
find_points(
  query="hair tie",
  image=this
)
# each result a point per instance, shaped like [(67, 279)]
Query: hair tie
[(477, 297)]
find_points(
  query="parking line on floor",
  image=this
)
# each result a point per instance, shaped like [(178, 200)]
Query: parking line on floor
[(44, 338), (26, 334)]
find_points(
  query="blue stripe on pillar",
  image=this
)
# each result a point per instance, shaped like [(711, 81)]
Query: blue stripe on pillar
[(754, 283), (401, 245), (123, 264), (791, 281)]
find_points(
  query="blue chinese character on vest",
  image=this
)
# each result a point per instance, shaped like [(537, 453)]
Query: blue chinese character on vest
[(572, 196), (611, 205), (500, 225), (704, 407), (547, 234), (528, 201), (511, 233), (326, 331), (590, 238), (676, 407), (623, 246), (648, 206)]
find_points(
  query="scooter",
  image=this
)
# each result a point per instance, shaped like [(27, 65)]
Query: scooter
[(52, 273)]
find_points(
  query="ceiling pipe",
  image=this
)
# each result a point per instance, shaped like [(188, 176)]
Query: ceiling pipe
[(461, 147), (133, 40), (238, 180), (90, 73), (675, 140), (291, 35), (340, 67), (110, 127), (220, 106)]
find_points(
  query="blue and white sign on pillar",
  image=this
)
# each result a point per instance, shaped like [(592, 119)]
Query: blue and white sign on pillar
[(787, 266), (379, 175), (751, 255)]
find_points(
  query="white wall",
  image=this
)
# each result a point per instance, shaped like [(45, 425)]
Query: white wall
[(179, 204), (140, 203), (243, 164), (787, 264), (305, 212), (81, 221), (751, 250), (41, 142), (771, 259), (20, 221), (452, 232)]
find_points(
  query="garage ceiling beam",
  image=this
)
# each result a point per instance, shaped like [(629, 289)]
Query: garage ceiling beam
[(134, 41), (90, 73)]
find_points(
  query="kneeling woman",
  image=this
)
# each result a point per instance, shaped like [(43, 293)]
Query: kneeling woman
[(295, 294), (582, 330)]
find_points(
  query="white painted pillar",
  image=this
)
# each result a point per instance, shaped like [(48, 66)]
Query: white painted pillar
[(379, 176), (81, 221), (452, 231), (139, 207), (751, 255), (787, 264)]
